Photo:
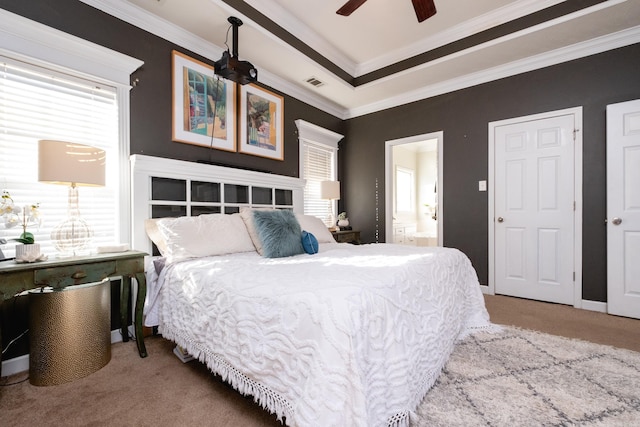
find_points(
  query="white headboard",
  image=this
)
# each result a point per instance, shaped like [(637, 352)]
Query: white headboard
[(166, 187)]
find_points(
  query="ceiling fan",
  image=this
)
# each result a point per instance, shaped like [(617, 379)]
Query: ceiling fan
[(424, 8)]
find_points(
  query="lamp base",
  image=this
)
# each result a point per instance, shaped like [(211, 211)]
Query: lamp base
[(74, 233), (71, 235)]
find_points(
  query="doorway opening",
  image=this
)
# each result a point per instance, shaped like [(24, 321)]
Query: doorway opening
[(413, 183)]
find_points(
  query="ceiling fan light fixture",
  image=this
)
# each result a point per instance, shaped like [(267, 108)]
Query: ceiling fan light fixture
[(349, 7), (424, 8)]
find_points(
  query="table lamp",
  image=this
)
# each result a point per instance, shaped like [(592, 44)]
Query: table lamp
[(72, 164), (330, 190)]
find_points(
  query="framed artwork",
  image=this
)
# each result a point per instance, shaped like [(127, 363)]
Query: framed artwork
[(203, 105), (261, 122)]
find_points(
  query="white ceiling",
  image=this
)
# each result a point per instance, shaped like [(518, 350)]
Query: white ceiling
[(379, 34)]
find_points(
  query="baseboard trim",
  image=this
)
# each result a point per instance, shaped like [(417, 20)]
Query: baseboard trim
[(21, 363), (15, 365), (594, 305), (585, 304)]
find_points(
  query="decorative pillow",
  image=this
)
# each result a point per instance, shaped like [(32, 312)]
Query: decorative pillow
[(309, 243), (247, 216), (314, 225), (279, 233), (203, 235)]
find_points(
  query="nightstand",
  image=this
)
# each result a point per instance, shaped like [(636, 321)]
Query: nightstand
[(347, 236), (60, 273)]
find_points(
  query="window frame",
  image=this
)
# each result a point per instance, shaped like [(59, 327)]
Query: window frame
[(311, 134), (411, 175), (37, 44)]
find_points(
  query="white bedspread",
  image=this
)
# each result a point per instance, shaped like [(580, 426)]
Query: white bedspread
[(352, 336)]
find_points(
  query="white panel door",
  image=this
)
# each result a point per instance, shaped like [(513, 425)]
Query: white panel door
[(623, 209), (534, 209)]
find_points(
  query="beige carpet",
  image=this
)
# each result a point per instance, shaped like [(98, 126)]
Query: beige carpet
[(564, 320), (129, 391), (482, 382)]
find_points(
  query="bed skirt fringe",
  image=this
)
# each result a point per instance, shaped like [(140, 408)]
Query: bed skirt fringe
[(262, 395)]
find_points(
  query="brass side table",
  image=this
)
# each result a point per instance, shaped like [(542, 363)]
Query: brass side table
[(60, 273)]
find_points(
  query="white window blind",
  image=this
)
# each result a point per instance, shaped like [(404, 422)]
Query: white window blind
[(38, 103), (318, 164)]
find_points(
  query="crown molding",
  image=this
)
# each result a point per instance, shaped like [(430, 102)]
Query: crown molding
[(142, 19), (160, 27), (465, 29), (311, 38), (33, 41), (316, 134), (276, 13), (153, 24), (302, 94), (579, 50)]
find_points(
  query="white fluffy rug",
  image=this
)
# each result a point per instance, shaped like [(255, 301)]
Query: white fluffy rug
[(526, 378)]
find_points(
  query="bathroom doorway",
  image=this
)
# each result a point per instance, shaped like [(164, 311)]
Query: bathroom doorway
[(413, 182)]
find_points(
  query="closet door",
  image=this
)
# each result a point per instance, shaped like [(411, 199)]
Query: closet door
[(623, 209), (534, 208)]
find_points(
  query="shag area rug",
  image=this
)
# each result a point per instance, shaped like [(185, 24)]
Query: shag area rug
[(526, 378)]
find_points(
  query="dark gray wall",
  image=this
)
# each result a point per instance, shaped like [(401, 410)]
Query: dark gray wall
[(150, 113), (464, 115)]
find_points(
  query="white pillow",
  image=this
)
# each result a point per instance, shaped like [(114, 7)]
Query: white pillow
[(315, 226), (151, 227), (203, 235)]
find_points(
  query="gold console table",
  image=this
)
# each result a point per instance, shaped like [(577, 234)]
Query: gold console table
[(59, 273)]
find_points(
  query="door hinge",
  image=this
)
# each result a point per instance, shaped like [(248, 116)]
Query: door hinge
[(574, 206), (575, 132), (574, 276)]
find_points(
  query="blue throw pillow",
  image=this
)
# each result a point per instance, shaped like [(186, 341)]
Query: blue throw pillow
[(279, 231), (309, 243)]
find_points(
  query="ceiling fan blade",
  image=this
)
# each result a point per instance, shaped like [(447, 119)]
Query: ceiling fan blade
[(349, 7), (424, 9)]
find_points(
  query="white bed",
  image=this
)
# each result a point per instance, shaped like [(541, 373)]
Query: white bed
[(349, 336)]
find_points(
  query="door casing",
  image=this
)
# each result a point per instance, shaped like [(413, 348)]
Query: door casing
[(577, 113)]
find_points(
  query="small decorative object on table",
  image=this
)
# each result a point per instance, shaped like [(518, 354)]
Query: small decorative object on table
[(343, 221), (28, 250)]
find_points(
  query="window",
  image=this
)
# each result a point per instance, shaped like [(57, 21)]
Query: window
[(35, 104), (318, 166), (405, 192), (318, 162), (57, 86)]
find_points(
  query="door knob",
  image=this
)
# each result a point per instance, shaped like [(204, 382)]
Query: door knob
[(500, 219), (616, 221)]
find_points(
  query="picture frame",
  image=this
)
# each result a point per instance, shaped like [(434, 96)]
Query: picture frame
[(261, 122), (204, 105)]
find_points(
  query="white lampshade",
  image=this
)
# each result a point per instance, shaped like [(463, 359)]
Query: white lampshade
[(330, 190), (69, 163)]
